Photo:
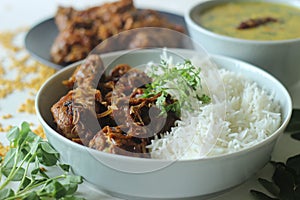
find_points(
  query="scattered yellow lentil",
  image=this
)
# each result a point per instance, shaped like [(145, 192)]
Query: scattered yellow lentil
[(24, 66), (3, 150), (6, 116), (27, 106), (40, 131), (7, 38), (29, 75), (5, 129), (2, 70), (19, 61)]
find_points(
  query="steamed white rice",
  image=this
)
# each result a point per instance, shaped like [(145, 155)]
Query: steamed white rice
[(247, 115)]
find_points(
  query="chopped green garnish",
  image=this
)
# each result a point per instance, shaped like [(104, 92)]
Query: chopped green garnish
[(176, 85), (27, 163)]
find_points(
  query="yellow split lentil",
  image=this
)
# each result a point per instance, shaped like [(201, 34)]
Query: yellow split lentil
[(6, 116), (24, 67), (40, 131), (5, 129), (27, 106), (19, 72), (3, 150)]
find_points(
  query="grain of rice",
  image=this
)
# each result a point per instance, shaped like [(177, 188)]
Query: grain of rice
[(251, 116)]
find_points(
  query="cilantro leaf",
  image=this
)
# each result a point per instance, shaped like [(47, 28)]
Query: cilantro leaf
[(179, 82)]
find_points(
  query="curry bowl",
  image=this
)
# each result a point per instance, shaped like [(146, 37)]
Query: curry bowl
[(279, 56), (153, 178)]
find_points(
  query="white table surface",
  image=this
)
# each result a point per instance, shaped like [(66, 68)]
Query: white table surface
[(20, 13)]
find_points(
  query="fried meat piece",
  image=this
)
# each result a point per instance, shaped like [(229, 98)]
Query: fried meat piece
[(114, 140), (74, 114), (111, 115), (65, 16), (88, 74), (81, 31), (139, 114)]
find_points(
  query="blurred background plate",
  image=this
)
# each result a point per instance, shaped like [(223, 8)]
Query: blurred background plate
[(40, 38)]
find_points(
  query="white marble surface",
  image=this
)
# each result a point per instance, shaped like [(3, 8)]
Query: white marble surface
[(18, 13)]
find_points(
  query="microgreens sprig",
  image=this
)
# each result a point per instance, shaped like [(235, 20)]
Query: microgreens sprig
[(179, 82), (26, 163)]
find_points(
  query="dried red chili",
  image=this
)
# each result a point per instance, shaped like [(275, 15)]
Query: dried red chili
[(252, 23)]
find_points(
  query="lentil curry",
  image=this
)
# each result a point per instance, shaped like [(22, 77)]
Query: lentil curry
[(253, 20)]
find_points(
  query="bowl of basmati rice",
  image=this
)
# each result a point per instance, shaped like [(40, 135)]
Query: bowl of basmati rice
[(213, 148)]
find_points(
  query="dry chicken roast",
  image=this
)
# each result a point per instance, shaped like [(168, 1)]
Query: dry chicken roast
[(81, 31), (109, 112)]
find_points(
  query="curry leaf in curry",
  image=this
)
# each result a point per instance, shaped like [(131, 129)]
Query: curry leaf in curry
[(175, 85), (27, 162)]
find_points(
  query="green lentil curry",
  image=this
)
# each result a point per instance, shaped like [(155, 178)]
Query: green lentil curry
[(268, 21)]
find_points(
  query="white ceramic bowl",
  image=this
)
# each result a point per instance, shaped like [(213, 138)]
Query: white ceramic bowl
[(159, 179), (280, 58)]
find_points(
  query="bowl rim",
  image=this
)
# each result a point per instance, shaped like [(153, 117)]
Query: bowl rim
[(243, 151), (195, 7)]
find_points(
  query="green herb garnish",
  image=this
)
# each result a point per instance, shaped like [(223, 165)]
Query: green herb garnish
[(179, 82), (27, 162)]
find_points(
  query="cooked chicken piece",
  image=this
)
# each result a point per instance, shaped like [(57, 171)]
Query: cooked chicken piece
[(114, 140), (118, 71), (81, 31), (74, 114), (89, 73), (128, 82), (114, 116), (62, 112), (137, 113), (65, 15)]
